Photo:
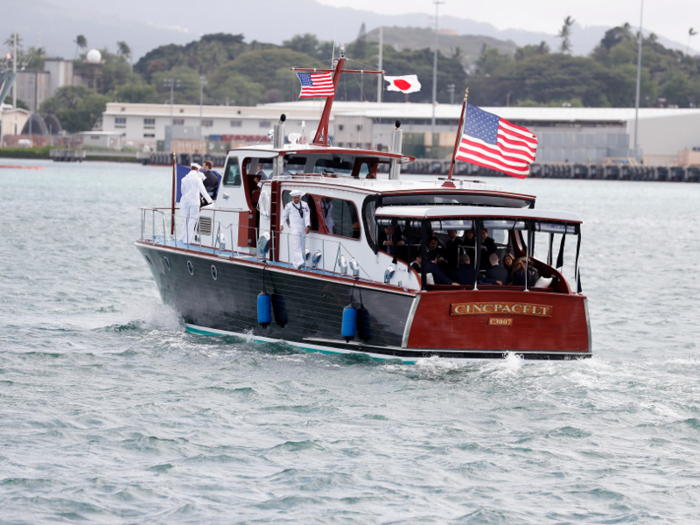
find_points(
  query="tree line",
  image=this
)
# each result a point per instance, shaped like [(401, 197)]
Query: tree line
[(535, 76), (230, 71)]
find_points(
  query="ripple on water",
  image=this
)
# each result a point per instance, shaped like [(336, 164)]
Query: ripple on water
[(111, 412)]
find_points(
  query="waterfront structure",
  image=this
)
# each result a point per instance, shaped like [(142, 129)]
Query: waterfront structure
[(33, 87), (60, 74), (565, 134), (12, 121)]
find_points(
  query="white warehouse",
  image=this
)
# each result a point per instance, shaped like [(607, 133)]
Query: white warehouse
[(565, 134)]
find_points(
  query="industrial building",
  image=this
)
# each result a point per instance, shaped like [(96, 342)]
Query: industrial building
[(574, 135)]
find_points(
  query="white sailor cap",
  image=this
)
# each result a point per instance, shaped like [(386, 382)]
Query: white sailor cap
[(195, 165), (297, 193)]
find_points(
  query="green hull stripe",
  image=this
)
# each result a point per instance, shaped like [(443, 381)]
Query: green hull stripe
[(204, 331)]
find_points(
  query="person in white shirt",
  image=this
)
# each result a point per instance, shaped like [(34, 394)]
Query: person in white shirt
[(191, 187), (297, 217)]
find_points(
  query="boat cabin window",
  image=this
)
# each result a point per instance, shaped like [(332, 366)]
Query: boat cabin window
[(553, 247), (369, 206), (334, 166), (232, 172), (254, 165), (456, 199), (340, 217), (331, 216), (295, 165), (366, 169)]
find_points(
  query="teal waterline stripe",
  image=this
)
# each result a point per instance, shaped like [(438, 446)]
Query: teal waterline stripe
[(204, 331)]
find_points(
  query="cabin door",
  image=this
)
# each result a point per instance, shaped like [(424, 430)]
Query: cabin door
[(235, 215)]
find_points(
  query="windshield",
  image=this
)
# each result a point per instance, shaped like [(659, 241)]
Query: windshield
[(457, 199)]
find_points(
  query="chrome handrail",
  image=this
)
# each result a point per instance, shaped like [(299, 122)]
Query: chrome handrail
[(229, 237)]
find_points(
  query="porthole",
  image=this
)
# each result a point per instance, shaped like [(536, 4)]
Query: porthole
[(190, 268), (167, 262), (214, 273), (148, 259)]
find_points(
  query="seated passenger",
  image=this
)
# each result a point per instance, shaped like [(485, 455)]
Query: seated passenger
[(508, 260), (434, 245), (518, 275), (416, 264), (452, 248), (465, 274), (488, 247), (260, 175), (416, 235), (496, 274), (469, 244), (431, 266), (388, 240)]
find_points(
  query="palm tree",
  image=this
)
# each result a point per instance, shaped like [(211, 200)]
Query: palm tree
[(10, 42), (80, 43), (123, 50), (565, 35), (691, 33)]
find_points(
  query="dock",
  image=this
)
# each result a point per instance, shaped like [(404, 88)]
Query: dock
[(67, 155), (566, 171)]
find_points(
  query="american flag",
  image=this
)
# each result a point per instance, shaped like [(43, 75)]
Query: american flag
[(316, 85), (495, 143)]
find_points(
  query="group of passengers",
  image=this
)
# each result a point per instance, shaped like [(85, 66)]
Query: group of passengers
[(512, 271), (451, 263)]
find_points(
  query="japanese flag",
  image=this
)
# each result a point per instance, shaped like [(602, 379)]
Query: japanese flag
[(405, 84)]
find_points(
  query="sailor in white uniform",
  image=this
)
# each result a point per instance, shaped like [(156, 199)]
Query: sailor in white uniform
[(192, 186), (297, 217)]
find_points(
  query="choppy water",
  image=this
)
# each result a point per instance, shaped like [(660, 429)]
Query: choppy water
[(111, 413)]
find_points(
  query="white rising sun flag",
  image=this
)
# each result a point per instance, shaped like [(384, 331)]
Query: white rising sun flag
[(493, 142), (405, 84)]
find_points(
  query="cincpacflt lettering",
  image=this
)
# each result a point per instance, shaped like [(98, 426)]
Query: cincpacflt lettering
[(532, 310)]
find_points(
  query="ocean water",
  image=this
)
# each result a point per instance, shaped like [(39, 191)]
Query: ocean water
[(111, 413)]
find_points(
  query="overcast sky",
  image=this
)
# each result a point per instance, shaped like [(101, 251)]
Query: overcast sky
[(672, 18)]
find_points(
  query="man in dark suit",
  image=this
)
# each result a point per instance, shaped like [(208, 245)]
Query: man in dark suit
[(496, 274), (431, 266), (488, 247), (389, 240), (211, 183), (465, 274)]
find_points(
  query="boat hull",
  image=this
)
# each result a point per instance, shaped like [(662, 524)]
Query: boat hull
[(404, 325)]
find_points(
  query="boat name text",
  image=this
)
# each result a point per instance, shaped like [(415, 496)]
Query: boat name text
[(533, 310)]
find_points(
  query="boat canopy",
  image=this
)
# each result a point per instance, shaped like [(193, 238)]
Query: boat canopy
[(420, 213)]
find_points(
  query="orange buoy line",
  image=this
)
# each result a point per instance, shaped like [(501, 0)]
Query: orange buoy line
[(23, 167)]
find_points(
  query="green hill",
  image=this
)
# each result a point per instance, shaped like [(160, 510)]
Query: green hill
[(467, 47)]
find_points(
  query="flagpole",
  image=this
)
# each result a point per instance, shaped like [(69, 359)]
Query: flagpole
[(172, 209), (458, 139)]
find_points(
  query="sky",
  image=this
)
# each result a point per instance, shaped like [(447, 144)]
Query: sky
[(53, 24), (672, 18)]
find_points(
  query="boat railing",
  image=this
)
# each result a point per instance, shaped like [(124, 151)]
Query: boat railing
[(225, 243), (153, 212)]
